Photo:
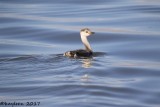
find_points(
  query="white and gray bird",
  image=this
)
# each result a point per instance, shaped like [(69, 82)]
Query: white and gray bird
[(87, 52)]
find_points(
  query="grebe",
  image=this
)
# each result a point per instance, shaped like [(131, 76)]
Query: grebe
[(84, 33)]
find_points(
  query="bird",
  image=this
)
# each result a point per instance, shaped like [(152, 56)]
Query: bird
[(87, 52)]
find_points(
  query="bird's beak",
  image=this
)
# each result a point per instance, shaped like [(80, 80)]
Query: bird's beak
[(92, 33)]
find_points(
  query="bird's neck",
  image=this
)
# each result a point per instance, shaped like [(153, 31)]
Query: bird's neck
[(86, 43)]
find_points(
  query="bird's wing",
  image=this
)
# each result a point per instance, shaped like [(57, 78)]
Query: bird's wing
[(83, 53)]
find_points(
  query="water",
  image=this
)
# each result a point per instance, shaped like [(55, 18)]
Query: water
[(124, 72)]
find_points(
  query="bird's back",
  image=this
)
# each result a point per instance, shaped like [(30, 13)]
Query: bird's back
[(79, 53)]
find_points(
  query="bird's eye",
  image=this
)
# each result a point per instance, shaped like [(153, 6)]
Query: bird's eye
[(86, 31)]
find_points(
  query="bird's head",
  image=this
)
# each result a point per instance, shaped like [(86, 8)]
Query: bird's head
[(86, 32)]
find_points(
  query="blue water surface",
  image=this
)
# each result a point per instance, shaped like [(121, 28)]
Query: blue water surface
[(125, 68)]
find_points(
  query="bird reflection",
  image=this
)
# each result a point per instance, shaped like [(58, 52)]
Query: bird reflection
[(86, 63)]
